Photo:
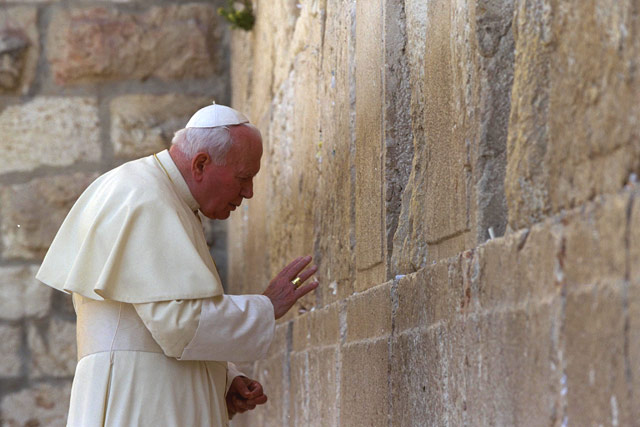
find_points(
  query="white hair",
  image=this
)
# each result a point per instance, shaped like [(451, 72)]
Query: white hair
[(216, 141)]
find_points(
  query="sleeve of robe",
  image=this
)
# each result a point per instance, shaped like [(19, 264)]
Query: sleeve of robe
[(223, 328)]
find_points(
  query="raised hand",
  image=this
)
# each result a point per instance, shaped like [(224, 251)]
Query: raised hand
[(283, 293)]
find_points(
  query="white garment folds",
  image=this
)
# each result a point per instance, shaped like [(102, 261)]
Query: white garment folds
[(154, 329)]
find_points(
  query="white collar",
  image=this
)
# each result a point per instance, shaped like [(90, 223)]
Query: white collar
[(173, 173)]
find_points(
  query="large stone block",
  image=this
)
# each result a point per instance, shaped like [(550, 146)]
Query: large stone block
[(369, 314), (597, 385), (145, 124), (317, 328), (33, 212), (10, 347), (514, 357), (523, 266), (573, 128), (21, 295), (323, 374), (40, 405), (419, 378), (633, 331), (19, 49), (595, 238), (369, 204), (299, 371), (459, 109), (164, 42), (364, 391), (435, 294), (53, 349), (49, 131), (633, 339), (333, 210)]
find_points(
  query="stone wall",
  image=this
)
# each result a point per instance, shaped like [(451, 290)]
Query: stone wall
[(84, 87), (464, 173)]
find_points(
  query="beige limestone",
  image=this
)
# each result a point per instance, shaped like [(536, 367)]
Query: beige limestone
[(33, 212), (49, 131), (323, 382), (10, 348), (19, 50), (514, 126), (364, 393), (41, 405), (504, 266), (513, 357), (573, 132), (369, 314), (53, 349), (102, 44), (592, 244), (299, 387), (21, 295), (596, 379), (145, 124), (370, 225), (317, 328), (332, 208)]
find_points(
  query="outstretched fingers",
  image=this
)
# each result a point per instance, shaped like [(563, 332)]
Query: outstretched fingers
[(295, 267), (303, 290)]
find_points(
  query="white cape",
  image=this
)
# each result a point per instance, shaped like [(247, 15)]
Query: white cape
[(133, 237)]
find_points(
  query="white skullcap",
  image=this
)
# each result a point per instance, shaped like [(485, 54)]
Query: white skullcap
[(216, 115)]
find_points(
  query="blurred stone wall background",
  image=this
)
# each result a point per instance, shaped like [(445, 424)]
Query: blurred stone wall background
[(84, 87), (400, 136)]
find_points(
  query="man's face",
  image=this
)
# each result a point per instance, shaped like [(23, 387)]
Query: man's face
[(222, 188)]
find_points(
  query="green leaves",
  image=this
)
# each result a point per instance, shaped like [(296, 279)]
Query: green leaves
[(239, 14)]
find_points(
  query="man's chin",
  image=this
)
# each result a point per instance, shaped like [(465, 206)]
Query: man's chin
[(218, 215)]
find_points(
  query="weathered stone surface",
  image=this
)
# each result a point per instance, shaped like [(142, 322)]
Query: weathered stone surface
[(53, 349), (100, 44), (633, 331), (596, 379), (145, 124), (426, 297), (299, 385), (323, 373), (418, 367), (33, 212), (332, 209), (369, 314), (364, 394), (513, 357), (21, 295), (42, 405), (49, 131), (10, 346), (594, 240), (495, 59), (397, 132), (504, 267), (460, 104), (370, 224), (19, 49), (578, 140), (317, 328)]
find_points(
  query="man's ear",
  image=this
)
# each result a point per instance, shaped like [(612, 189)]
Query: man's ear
[(198, 164)]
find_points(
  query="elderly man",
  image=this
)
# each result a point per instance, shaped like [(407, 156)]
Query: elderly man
[(154, 329)]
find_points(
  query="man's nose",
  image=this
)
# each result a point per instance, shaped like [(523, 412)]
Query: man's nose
[(247, 191)]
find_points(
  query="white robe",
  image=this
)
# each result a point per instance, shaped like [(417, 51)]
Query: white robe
[(154, 329)]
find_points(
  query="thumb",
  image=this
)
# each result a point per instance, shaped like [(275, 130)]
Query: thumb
[(241, 387)]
